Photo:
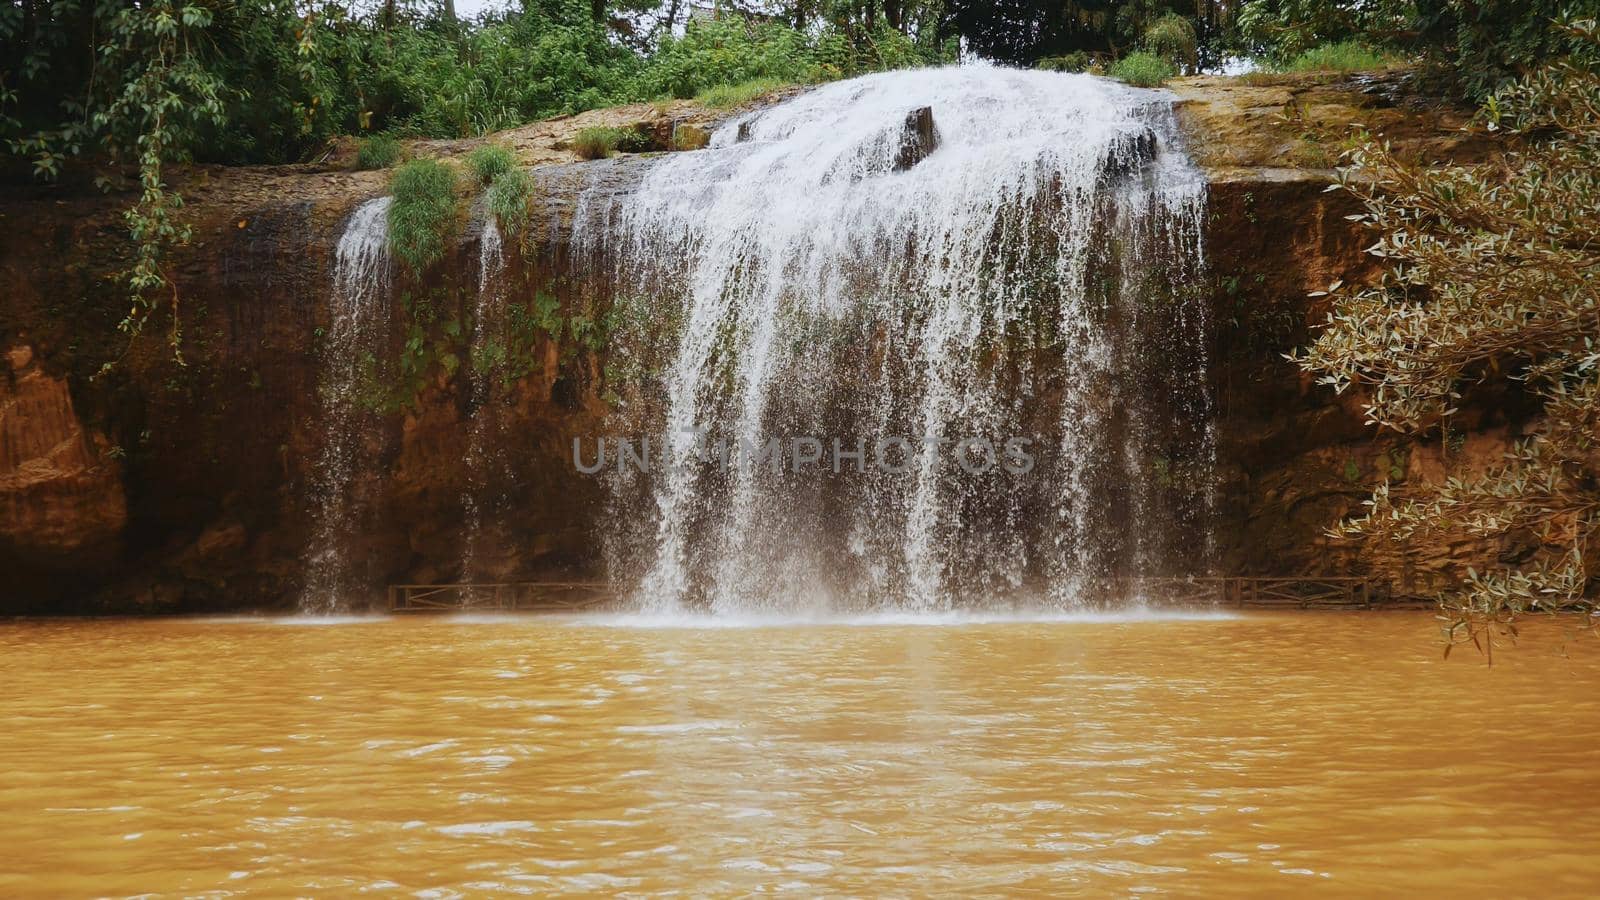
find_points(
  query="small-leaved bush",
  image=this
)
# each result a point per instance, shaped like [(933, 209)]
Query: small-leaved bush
[(1172, 37), (490, 161), (1142, 69), (380, 151), (1489, 287), (423, 211)]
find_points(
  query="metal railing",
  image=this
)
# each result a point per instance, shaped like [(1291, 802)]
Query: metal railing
[(1235, 591), (1262, 591), (508, 596)]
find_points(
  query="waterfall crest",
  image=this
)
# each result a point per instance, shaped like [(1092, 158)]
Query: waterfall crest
[(936, 254)]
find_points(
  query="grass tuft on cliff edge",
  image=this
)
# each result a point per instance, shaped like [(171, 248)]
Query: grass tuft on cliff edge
[(725, 96), (508, 200), (490, 161), (423, 211)]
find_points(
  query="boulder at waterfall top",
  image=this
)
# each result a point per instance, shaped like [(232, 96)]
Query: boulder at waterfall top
[(197, 470)]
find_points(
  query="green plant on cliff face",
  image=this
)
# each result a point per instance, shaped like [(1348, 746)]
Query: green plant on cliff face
[(423, 211), (600, 142), (430, 343), (147, 96), (490, 161), (1491, 278), (380, 151), (515, 350), (508, 200)]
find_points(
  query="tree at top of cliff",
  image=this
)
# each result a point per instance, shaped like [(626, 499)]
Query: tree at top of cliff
[(1493, 275)]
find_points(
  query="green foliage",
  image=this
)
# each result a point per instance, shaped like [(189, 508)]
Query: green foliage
[(724, 96), (1345, 56), (508, 200), (271, 81), (146, 96), (379, 151), (599, 142), (726, 51), (514, 350), (1481, 44), (428, 344), (1490, 44), (717, 53), (1172, 37), (1490, 278), (1076, 61), (1026, 32), (490, 162), (1280, 30), (1142, 70), (423, 212)]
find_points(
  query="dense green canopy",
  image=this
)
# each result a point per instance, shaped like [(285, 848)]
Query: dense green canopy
[(271, 80)]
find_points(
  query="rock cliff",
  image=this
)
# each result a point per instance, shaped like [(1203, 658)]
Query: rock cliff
[(167, 487)]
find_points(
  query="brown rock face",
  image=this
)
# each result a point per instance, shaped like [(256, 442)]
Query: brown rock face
[(62, 508), (1293, 457), (162, 487)]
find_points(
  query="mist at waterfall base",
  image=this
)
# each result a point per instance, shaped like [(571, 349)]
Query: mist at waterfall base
[(932, 254), (1032, 269)]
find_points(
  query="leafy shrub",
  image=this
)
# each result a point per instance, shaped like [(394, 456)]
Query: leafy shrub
[(726, 51), (490, 161), (1142, 70), (1482, 44), (1076, 61), (1172, 37), (724, 96), (508, 200), (1489, 44), (1345, 56), (423, 210), (1484, 291), (380, 151)]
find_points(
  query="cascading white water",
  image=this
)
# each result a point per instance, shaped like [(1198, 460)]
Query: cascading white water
[(360, 314), (488, 428), (831, 272)]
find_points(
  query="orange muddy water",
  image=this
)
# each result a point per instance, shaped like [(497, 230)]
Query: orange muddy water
[(1266, 755)]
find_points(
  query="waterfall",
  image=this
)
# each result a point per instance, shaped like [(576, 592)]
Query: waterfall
[(360, 316), (488, 427), (967, 254)]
